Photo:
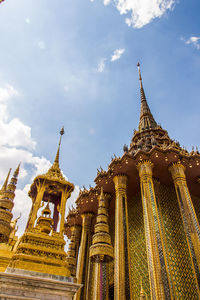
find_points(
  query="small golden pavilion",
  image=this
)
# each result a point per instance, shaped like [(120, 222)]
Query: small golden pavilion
[(134, 235)]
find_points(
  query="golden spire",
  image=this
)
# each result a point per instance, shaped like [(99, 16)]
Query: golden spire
[(13, 182), (46, 211), (6, 206), (54, 172), (6, 182), (56, 161), (146, 118)]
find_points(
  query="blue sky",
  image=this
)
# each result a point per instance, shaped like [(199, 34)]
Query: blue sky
[(73, 63)]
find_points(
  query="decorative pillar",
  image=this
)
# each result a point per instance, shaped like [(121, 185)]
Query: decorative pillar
[(36, 205), (188, 214), (65, 195), (83, 257), (72, 253), (156, 262), (122, 288), (77, 234), (101, 252)]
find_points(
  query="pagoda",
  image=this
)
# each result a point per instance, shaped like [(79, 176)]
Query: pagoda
[(8, 227), (140, 235), (41, 248)]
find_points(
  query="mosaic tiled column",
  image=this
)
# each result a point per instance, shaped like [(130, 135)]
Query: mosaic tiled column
[(83, 257), (72, 253), (101, 252), (122, 288), (188, 214), (156, 262)]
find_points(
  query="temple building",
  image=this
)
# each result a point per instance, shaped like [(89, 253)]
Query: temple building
[(134, 235)]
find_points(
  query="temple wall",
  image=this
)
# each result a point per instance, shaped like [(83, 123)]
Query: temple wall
[(179, 262), (180, 265), (138, 255)]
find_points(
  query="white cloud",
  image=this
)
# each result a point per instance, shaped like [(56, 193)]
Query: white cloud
[(101, 65), (117, 54), (142, 12), (106, 2), (17, 144), (27, 20), (13, 133), (194, 40)]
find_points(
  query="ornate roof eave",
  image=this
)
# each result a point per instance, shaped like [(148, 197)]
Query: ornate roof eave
[(53, 179), (144, 155), (86, 193)]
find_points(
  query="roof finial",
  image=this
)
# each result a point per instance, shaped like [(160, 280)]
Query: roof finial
[(62, 131), (146, 118), (13, 182), (16, 173), (6, 181), (140, 77)]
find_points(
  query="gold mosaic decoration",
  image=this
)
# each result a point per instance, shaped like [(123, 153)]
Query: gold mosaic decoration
[(179, 259), (138, 255)]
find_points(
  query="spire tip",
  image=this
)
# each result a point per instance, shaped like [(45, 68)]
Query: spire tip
[(62, 131), (140, 77)]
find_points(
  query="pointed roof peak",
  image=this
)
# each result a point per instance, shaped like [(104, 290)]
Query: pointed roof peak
[(140, 76), (16, 173), (56, 161), (6, 181), (146, 118), (54, 171)]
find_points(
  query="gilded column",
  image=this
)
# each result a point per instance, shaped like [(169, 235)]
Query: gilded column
[(83, 257), (188, 214), (36, 205), (156, 262), (72, 253), (101, 252), (77, 234), (65, 195), (122, 288)]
